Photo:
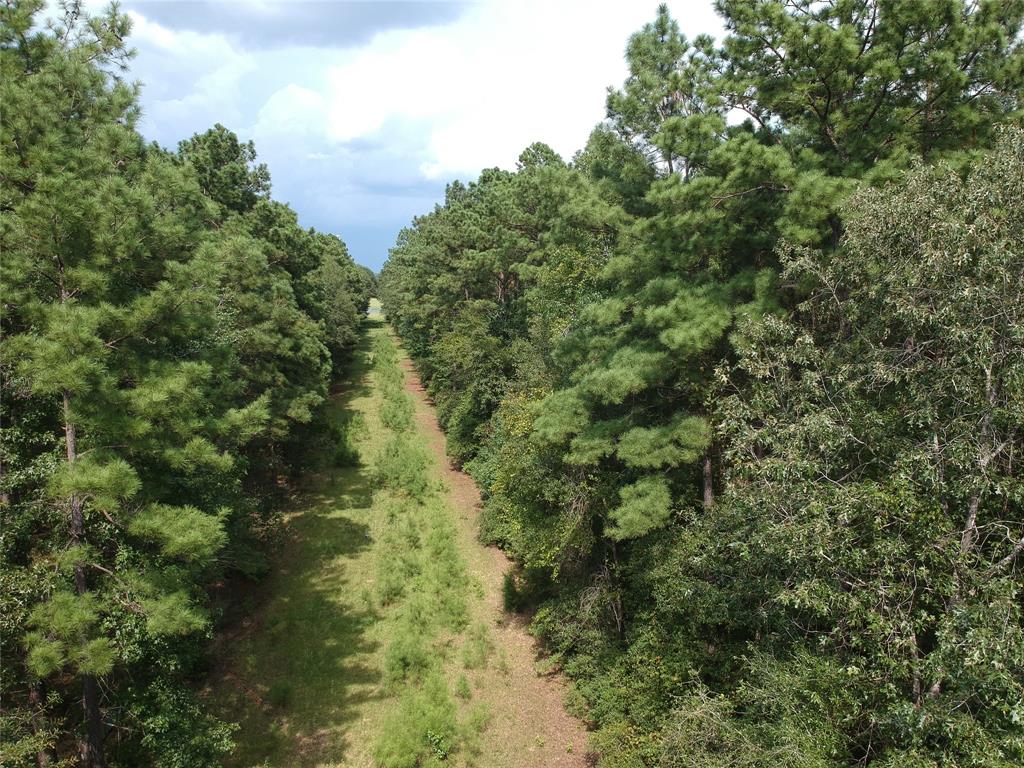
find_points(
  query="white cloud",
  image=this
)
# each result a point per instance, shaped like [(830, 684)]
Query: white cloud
[(190, 79), (502, 76), (362, 137), (292, 111)]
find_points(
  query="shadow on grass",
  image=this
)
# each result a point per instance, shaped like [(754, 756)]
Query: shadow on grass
[(300, 669), (356, 383)]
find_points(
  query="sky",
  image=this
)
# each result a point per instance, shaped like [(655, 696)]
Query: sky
[(364, 111)]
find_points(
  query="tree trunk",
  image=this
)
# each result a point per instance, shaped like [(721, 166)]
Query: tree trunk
[(91, 747), (37, 698), (709, 491), (5, 499), (613, 582)]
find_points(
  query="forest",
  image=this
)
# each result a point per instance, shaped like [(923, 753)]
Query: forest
[(741, 384), (170, 336)]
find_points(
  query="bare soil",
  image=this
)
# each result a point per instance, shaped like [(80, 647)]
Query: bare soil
[(531, 727)]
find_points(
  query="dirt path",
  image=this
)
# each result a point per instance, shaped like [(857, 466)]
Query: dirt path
[(531, 728), (301, 667)]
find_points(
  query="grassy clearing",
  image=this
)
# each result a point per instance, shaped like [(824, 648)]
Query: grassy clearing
[(422, 583), (302, 674), (355, 656)]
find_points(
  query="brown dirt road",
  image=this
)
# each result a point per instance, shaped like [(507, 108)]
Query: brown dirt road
[(531, 727)]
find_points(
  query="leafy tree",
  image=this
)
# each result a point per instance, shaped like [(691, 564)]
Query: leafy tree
[(872, 490), (226, 169), (156, 361)]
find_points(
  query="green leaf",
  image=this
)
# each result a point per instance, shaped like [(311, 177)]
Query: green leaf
[(645, 505), (184, 533)]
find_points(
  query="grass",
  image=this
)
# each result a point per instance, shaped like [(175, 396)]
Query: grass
[(303, 674), (478, 647), (423, 585), (348, 659)]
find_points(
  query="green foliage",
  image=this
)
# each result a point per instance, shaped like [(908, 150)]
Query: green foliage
[(172, 614), (741, 398), (744, 400), (863, 83), (168, 339), (512, 598), (396, 414), (181, 532), (402, 467), (893, 444), (670, 106), (408, 657), (162, 708), (423, 729), (226, 169), (645, 505)]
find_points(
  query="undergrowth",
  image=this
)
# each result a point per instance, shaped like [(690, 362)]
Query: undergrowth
[(422, 581)]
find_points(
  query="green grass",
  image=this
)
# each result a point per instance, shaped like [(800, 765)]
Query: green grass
[(423, 584), (346, 661), (303, 680)]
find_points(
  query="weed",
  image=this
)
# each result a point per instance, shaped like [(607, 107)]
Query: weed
[(396, 413), (422, 728), (478, 647), (472, 728), (408, 656), (402, 468)]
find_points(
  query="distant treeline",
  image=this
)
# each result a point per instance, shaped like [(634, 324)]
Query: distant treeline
[(746, 396), (169, 334)]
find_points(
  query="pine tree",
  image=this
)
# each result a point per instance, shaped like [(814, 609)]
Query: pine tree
[(670, 106), (226, 169), (867, 85)]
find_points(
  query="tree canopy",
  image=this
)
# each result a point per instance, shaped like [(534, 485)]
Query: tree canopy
[(169, 335), (740, 384)]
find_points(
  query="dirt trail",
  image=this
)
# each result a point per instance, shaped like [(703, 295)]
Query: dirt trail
[(531, 728), (301, 665)]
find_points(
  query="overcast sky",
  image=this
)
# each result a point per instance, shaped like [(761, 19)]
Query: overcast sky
[(363, 111)]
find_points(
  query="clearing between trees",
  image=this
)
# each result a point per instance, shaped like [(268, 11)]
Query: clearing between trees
[(381, 638)]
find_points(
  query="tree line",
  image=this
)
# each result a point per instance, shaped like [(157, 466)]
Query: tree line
[(170, 334), (742, 384)]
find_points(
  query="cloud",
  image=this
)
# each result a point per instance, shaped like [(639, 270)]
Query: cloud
[(361, 131), (500, 77), (315, 23), (189, 79)]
